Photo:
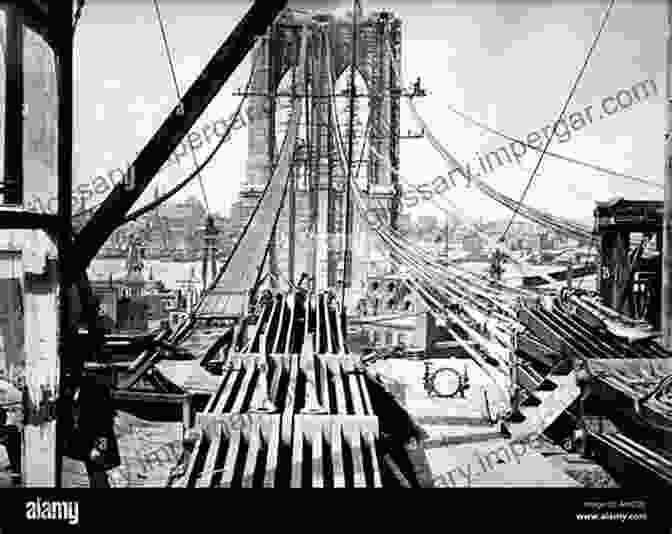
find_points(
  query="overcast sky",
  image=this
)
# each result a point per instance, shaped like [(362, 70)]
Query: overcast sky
[(510, 65)]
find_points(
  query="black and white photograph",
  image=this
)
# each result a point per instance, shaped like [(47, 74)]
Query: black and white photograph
[(272, 244)]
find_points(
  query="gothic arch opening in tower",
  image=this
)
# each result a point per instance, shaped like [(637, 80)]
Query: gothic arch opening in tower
[(359, 124)]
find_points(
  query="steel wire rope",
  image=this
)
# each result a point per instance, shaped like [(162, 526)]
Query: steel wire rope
[(179, 96), (586, 164), (273, 230), (543, 219), (409, 261), (456, 295), (336, 122), (437, 308), (531, 213), (433, 261), (272, 239), (476, 357), (338, 133), (347, 266), (421, 273), (562, 113), (194, 173), (431, 265), (252, 216), (363, 147), (498, 283), (271, 235), (369, 123), (536, 215), (474, 226), (340, 151)]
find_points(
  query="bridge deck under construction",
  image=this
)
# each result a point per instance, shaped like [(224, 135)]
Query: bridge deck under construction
[(288, 419)]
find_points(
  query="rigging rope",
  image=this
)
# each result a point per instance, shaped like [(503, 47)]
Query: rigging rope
[(562, 113), (195, 173), (347, 267), (586, 164), (255, 237), (559, 224), (487, 238), (475, 227), (179, 96), (431, 262), (393, 241)]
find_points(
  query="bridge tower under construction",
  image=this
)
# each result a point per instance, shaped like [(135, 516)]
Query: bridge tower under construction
[(310, 234)]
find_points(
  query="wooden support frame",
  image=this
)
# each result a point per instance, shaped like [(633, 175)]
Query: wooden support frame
[(47, 317)]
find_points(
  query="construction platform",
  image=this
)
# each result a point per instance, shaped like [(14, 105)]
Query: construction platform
[(459, 431)]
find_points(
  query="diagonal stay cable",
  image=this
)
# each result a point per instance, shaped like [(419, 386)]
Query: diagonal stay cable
[(562, 113), (586, 164), (533, 214)]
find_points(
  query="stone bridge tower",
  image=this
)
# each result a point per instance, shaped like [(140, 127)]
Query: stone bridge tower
[(314, 215)]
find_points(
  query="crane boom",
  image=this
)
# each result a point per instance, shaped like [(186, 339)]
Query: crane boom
[(158, 149)]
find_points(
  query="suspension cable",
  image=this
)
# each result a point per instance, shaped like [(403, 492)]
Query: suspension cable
[(285, 147), (562, 113), (406, 249), (562, 225), (586, 164), (179, 96), (444, 210), (347, 267)]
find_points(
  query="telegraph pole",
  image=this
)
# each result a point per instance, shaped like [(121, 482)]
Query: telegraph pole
[(666, 319)]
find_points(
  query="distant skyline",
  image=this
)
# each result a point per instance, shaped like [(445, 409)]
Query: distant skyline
[(509, 65)]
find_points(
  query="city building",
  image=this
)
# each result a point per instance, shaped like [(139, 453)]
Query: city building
[(174, 230), (132, 300)]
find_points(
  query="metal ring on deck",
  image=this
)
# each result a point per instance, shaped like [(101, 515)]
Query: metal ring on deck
[(432, 390)]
